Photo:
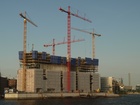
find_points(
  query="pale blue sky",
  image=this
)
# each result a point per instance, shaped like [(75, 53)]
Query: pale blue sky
[(117, 20)]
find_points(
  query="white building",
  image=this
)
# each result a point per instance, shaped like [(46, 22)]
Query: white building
[(106, 84)]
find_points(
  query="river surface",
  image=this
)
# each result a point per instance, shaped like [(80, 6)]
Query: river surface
[(122, 100)]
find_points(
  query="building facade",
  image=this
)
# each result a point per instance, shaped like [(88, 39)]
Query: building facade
[(3, 84)]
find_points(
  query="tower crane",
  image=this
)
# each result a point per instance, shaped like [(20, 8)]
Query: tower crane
[(24, 48), (93, 36), (59, 43), (69, 40)]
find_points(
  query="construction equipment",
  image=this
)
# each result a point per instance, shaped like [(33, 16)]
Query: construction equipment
[(24, 48), (93, 36), (69, 40), (59, 43)]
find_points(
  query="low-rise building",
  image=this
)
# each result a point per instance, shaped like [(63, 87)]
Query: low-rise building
[(12, 83), (3, 84), (138, 87)]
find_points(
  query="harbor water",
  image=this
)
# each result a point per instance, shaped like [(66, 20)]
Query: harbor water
[(122, 100)]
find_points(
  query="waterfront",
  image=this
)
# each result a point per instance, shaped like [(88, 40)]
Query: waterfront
[(122, 100)]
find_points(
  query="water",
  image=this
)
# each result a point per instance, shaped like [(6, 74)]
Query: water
[(123, 100)]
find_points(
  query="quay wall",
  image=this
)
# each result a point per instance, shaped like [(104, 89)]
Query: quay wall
[(55, 95)]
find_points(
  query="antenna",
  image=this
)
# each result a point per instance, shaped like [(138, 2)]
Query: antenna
[(32, 47), (0, 71), (129, 79)]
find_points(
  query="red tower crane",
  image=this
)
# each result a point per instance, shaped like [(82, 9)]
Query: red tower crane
[(59, 43), (69, 40)]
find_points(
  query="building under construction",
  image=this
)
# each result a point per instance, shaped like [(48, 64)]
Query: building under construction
[(48, 73), (42, 72)]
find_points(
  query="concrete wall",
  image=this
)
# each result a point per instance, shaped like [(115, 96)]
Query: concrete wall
[(19, 80), (43, 80), (53, 82), (53, 67), (72, 81), (96, 81), (22, 96), (84, 81), (34, 80)]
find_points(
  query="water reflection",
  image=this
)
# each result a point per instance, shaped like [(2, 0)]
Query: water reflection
[(26, 102), (123, 100)]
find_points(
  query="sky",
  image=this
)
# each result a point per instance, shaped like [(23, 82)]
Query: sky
[(118, 21)]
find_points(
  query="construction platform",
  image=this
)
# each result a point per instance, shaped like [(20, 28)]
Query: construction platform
[(36, 59)]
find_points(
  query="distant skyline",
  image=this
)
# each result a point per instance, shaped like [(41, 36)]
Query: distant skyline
[(118, 21)]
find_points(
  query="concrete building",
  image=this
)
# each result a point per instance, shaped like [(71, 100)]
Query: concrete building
[(47, 73), (56, 81)]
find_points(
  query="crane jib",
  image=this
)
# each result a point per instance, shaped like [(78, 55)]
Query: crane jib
[(27, 19)]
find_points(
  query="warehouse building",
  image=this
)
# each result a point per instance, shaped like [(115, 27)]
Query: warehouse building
[(48, 73)]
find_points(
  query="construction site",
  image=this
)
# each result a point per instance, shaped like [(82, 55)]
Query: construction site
[(44, 73)]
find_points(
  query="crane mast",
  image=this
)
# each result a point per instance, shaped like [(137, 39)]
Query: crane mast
[(69, 40), (93, 37), (59, 43), (24, 55), (24, 48)]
